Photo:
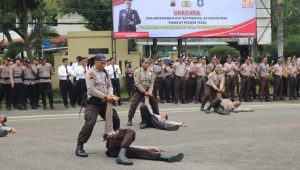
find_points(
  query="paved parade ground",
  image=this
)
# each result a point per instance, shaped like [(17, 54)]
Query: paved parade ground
[(267, 138)]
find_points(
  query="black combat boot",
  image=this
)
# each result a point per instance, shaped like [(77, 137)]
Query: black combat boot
[(212, 104), (80, 151), (129, 123), (171, 158), (122, 159)]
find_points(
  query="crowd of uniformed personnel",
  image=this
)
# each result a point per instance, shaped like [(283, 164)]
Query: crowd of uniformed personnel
[(25, 80), (191, 79)]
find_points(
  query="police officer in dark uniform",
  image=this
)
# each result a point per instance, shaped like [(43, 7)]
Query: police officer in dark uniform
[(128, 18), (100, 92)]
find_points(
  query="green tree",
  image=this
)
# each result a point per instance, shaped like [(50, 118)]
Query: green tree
[(222, 51), (96, 12)]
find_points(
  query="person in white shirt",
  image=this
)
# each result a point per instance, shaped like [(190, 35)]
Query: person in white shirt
[(4, 130), (114, 74), (65, 73), (80, 85)]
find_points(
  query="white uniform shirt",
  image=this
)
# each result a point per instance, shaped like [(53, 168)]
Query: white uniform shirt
[(80, 72), (62, 72), (111, 69)]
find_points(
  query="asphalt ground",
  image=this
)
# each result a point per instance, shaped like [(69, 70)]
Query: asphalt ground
[(267, 138)]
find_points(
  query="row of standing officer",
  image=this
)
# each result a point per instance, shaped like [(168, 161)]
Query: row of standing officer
[(20, 81)]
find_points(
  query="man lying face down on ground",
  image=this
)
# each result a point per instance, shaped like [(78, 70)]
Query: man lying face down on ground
[(159, 121), (224, 106), (118, 144)]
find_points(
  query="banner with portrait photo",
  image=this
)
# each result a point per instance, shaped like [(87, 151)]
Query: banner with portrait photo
[(184, 18)]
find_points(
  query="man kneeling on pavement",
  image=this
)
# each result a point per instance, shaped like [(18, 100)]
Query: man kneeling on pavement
[(4, 130)]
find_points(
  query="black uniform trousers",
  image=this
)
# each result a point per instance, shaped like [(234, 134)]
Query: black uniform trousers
[(93, 108), (217, 105), (5, 90), (168, 88), (80, 87), (285, 85), (200, 86), (116, 85), (136, 98), (161, 88), (253, 87), (37, 93), (245, 88), (46, 88), (230, 86), (29, 93), (264, 87), (277, 91), (292, 87), (149, 119), (123, 139), (65, 87), (298, 85), (129, 85), (3, 133), (18, 95), (190, 88), (180, 88)]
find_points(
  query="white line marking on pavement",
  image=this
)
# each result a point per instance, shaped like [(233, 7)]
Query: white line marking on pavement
[(177, 110)]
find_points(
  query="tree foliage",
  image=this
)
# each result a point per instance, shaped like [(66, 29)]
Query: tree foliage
[(222, 51)]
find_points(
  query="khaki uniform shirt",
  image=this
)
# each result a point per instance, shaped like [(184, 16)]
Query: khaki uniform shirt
[(160, 71), (44, 72), (292, 69), (277, 70), (230, 68), (263, 69), (245, 70), (5, 74), (144, 80), (215, 80), (169, 71), (227, 104), (210, 68), (30, 75), (98, 84), (200, 69), (16, 73), (188, 69), (179, 69)]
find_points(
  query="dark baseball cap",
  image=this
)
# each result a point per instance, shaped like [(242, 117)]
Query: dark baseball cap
[(100, 57)]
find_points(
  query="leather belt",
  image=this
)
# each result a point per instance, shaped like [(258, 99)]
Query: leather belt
[(44, 77)]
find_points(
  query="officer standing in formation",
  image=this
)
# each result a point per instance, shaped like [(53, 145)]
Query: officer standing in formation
[(129, 71), (65, 73), (230, 72), (263, 70), (16, 74), (277, 72), (293, 71), (45, 72), (144, 83), (29, 84), (5, 87), (179, 70), (160, 76), (245, 71), (114, 73), (200, 71)]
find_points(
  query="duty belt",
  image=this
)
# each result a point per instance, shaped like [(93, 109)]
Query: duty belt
[(29, 78), (44, 77), (17, 77), (5, 78)]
